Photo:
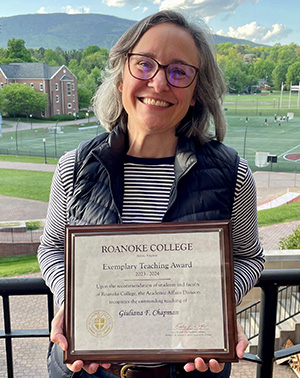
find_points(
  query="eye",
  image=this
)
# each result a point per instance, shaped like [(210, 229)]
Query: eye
[(145, 65), (178, 71)]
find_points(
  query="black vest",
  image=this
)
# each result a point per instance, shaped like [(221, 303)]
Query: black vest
[(205, 179)]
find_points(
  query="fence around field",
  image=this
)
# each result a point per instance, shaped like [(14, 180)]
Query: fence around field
[(255, 124), (263, 104), (47, 142)]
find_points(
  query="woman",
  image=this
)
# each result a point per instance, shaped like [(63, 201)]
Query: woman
[(159, 104)]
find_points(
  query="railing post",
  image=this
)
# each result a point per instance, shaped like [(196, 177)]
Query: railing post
[(267, 329), (8, 341)]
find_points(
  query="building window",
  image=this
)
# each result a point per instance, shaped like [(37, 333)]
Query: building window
[(69, 106), (73, 87), (73, 98), (1, 85), (69, 89), (58, 111), (31, 84), (56, 86), (57, 99), (41, 86)]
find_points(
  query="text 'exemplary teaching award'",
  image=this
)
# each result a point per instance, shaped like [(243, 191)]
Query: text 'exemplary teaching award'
[(149, 293)]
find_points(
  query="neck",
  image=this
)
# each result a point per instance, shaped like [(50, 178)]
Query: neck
[(152, 145)]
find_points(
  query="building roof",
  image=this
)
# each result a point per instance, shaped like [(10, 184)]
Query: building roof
[(28, 70)]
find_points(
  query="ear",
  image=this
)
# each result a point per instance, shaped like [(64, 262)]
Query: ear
[(120, 86), (193, 101)]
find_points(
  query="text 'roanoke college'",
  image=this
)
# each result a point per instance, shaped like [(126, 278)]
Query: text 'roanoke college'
[(140, 248)]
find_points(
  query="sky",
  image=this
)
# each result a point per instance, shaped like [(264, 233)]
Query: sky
[(261, 21)]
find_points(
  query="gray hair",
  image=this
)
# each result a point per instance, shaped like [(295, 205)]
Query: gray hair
[(209, 91)]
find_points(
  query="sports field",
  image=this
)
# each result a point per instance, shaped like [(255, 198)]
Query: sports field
[(280, 138), (45, 141), (251, 129)]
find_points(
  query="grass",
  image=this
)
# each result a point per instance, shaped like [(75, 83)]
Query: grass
[(18, 265), (34, 225), (280, 214), (27, 159), (32, 185)]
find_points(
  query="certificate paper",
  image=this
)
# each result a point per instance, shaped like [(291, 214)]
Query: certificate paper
[(150, 293)]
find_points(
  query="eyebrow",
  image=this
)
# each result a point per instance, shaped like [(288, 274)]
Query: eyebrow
[(149, 55)]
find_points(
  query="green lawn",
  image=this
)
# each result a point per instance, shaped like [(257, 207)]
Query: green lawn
[(33, 185), (280, 214), (18, 265), (27, 159)]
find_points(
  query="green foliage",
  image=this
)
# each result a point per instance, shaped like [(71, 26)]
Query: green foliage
[(34, 225), (62, 117), (20, 99), (292, 241), (279, 75), (84, 97), (293, 74), (17, 52), (53, 58), (269, 63)]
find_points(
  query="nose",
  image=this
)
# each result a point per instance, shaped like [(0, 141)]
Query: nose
[(159, 81)]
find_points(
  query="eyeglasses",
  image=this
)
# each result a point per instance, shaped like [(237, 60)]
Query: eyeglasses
[(178, 75)]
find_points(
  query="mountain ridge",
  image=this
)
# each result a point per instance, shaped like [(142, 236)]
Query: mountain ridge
[(73, 32)]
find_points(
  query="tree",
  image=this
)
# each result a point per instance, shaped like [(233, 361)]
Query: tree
[(293, 74), (279, 75), (263, 68), (17, 52), (84, 97), (19, 99), (52, 58), (97, 59)]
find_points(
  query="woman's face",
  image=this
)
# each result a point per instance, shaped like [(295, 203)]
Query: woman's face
[(154, 106)]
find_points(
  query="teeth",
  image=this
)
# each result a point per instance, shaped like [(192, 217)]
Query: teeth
[(150, 101)]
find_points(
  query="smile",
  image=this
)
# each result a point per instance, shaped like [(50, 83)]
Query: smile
[(151, 101)]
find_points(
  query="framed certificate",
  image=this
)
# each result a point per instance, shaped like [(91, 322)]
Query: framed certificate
[(150, 292)]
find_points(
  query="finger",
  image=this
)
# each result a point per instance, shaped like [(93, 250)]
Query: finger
[(242, 342), (200, 365), (105, 366), (60, 340), (91, 368), (76, 366), (215, 366), (189, 367)]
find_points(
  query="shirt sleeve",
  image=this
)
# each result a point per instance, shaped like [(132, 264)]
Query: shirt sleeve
[(248, 254), (51, 249)]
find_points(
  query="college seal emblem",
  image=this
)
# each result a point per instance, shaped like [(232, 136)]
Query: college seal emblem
[(99, 323)]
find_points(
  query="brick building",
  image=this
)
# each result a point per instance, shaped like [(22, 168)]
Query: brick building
[(58, 82)]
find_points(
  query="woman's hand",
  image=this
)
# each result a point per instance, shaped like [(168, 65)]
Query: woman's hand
[(58, 337), (213, 365)]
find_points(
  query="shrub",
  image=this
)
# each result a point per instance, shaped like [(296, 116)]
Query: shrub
[(62, 117), (34, 225), (292, 241)]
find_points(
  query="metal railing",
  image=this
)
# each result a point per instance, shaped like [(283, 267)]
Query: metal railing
[(288, 307), (21, 286), (270, 282)]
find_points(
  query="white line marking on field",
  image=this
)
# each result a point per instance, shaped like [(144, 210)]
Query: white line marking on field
[(284, 153)]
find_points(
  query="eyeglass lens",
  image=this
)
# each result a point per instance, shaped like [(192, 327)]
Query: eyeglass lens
[(145, 68)]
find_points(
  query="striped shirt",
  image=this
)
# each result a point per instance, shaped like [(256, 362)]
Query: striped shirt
[(147, 187), (146, 196)]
